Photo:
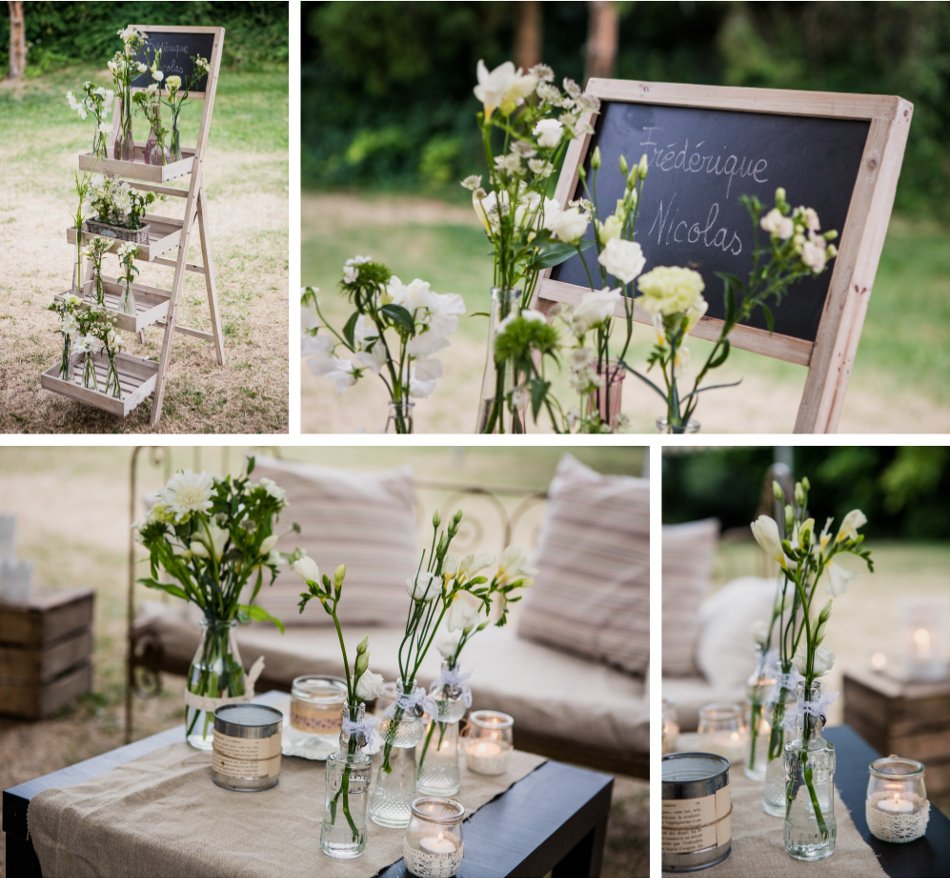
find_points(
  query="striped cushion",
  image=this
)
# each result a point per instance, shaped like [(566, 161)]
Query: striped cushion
[(592, 594), (363, 520), (688, 551)]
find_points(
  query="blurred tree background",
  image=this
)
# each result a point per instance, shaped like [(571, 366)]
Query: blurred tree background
[(387, 87), (902, 490), (60, 34)]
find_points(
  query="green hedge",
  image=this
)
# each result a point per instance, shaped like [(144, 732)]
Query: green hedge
[(62, 34)]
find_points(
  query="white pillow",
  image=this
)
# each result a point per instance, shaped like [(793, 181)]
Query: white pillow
[(726, 650)]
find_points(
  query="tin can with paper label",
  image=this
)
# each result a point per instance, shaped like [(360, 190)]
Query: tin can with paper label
[(246, 747), (697, 811)]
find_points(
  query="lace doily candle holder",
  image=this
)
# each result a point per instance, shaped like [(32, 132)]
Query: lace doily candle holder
[(896, 808)]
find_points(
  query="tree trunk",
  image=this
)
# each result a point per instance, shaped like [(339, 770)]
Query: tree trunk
[(528, 30), (602, 38), (17, 40)]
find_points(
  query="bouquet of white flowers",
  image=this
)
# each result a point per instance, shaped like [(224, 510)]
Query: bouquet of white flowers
[(96, 102)]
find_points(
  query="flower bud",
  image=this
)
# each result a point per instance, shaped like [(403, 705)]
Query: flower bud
[(624, 167), (436, 519), (780, 195), (777, 492), (339, 575), (363, 645), (595, 159), (799, 494), (361, 664), (643, 167), (789, 516), (805, 483)]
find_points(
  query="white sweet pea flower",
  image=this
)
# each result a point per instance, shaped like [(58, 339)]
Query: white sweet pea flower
[(424, 587), (594, 309), (188, 492), (423, 377), (462, 612), (623, 259), (824, 660), (306, 568), (370, 686), (568, 225), (778, 225), (548, 132), (850, 524), (503, 88)]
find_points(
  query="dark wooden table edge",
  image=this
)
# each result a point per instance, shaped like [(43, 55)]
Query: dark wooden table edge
[(572, 848)]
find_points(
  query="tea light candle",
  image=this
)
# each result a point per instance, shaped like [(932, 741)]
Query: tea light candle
[(926, 637), (897, 809), (671, 727), (488, 742), (896, 805), (432, 847)]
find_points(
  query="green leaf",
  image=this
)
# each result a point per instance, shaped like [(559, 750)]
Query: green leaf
[(556, 252), (349, 330), (259, 614), (539, 390), (721, 357), (167, 587), (401, 318), (251, 463)]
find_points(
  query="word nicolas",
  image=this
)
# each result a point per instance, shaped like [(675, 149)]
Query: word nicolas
[(669, 229)]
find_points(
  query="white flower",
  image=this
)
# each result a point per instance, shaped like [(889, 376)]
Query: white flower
[(157, 75), (306, 568), (815, 253), (188, 492), (528, 314), (540, 168), (568, 225), (766, 534), (839, 579), (173, 83), (370, 686), (472, 564), (549, 133), (351, 267), (320, 359), (510, 163), (777, 225), (513, 566), (423, 377), (202, 544), (594, 309), (623, 259), (609, 229), (424, 587), (504, 87), (850, 524), (671, 290), (142, 67), (268, 544), (472, 182), (274, 490), (447, 643), (462, 612), (808, 217), (488, 207), (824, 660)]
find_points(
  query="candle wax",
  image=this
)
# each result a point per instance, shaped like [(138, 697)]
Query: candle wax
[(485, 748), (896, 805), (438, 844)]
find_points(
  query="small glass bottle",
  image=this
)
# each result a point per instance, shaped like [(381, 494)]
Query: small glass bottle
[(897, 809), (438, 752), (432, 847), (493, 413), (395, 786), (664, 426), (349, 769), (760, 683), (400, 417), (780, 713)]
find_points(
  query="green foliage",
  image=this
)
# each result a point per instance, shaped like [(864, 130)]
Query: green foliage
[(61, 34)]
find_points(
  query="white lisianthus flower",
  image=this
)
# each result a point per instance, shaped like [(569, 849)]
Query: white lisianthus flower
[(273, 490), (306, 568), (424, 587), (548, 132), (815, 253), (188, 492), (609, 229), (503, 88), (824, 660), (623, 259), (462, 612), (142, 67), (158, 75), (568, 225), (594, 309), (777, 225), (766, 534), (370, 686), (850, 524), (173, 83), (671, 290), (267, 546)]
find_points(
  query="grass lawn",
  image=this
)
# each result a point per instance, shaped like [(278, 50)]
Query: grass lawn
[(895, 384), (246, 176)]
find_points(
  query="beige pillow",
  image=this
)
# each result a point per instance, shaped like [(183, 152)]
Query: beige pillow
[(364, 520), (592, 594), (688, 551)]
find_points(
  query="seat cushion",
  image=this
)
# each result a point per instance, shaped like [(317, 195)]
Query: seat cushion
[(364, 520), (688, 551), (592, 593)]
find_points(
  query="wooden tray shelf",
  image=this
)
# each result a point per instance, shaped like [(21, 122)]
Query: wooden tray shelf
[(137, 169), (151, 303), (137, 378), (163, 235)]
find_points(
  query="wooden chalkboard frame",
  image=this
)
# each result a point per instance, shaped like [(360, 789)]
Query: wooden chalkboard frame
[(830, 357), (213, 32)]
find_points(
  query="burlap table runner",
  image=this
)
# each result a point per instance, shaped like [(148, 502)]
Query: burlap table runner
[(758, 844), (161, 815)]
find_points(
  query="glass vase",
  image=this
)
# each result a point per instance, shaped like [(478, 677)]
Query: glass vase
[(495, 414), (174, 141), (98, 285), (89, 371), (780, 714), (607, 400), (215, 673), (438, 753), (395, 787), (348, 773), (810, 829), (127, 302), (664, 426), (400, 417), (65, 366), (155, 152), (760, 683), (124, 146), (113, 384)]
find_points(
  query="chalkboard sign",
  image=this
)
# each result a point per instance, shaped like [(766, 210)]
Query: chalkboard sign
[(179, 49), (701, 161), (707, 146)]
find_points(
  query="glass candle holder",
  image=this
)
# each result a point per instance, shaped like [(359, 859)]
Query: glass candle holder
[(316, 716), (15, 579), (671, 727), (432, 847), (488, 741), (7, 532), (722, 730), (926, 623), (896, 807)]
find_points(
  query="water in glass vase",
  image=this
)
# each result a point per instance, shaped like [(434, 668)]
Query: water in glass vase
[(215, 673)]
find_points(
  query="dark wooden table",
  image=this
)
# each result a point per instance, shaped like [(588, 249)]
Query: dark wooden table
[(554, 820), (928, 857)]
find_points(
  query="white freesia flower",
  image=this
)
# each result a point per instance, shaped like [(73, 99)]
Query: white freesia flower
[(594, 309), (850, 524), (447, 643), (513, 566), (472, 564), (370, 686), (623, 259), (838, 579), (766, 534), (188, 492), (778, 225), (549, 133), (503, 88), (424, 587), (824, 660), (273, 490), (462, 612), (267, 546), (568, 225), (306, 568)]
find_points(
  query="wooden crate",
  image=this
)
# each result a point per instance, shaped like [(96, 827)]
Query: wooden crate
[(45, 653), (151, 303), (136, 380), (909, 719), (164, 233), (137, 169)]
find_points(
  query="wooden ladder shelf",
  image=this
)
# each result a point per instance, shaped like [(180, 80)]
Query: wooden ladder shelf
[(167, 245)]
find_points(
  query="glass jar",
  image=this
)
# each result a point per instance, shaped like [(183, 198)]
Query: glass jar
[(494, 415), (432, 847), (671, 727), (348, 773), (810, 761), (400, 417), (760, 683), (488, 741), (215, 677), (722, 731), (316, 716), (663, 426), (438, 757), (896, 808)]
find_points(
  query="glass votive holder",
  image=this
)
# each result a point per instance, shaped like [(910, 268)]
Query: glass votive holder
[(722, 730), (896, 807), (316, 716), (15, 580), (671, 727), (488, 741), (432, 846)]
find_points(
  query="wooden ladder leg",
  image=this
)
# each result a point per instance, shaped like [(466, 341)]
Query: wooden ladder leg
[(210, 281)]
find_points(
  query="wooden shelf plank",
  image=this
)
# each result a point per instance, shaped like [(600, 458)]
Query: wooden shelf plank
[(151, 303), (137, 169), (164, 234), (137, 378)]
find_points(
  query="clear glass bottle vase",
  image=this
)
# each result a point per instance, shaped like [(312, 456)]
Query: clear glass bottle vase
[(665, 426), (348, 773), (780, 713), (759, 685), (438, 771), (215, 673), (400, 417), (395, 787), (127, 300), (607, 400), (810, 828), (495, 413), (155, 152)]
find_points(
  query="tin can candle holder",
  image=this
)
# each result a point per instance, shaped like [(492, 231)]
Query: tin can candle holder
[(316, 717), (246, 747), (896, 808), (488, 741), (432, 847), (697, 811)]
